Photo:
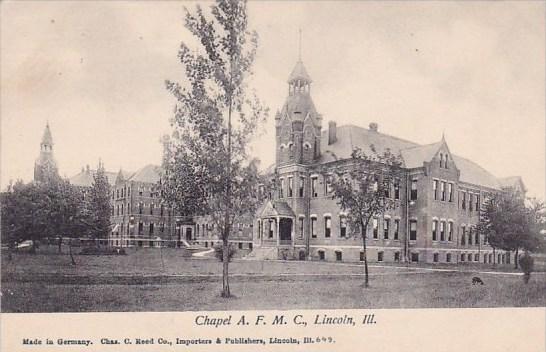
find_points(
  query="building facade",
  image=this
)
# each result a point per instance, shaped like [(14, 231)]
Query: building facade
[(438, 198), (138, 216)]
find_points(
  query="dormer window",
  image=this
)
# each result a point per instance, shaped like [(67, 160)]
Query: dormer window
[(441, 160), (445, 163)]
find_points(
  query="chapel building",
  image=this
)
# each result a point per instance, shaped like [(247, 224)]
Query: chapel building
[(439, 195)]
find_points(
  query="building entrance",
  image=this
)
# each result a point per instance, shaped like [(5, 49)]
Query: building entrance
[(285, 231)]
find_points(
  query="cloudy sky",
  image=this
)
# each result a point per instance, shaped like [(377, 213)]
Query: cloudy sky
[(96, 71)]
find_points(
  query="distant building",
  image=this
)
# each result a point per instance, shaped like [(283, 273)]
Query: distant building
[(45, 166), (439, 195), (138, 215)]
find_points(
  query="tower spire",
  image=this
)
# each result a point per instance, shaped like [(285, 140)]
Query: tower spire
[(299, 45)]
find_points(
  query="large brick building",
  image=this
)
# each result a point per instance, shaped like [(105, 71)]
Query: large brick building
[(439, 195)]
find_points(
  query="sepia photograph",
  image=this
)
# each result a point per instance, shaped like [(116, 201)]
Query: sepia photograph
[(220, 156)]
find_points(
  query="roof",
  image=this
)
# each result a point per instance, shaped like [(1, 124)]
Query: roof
[(299, 72), (474, 173), (413, 155), (85, 178), (275, 208), (349, 137), (148, 174), (47, 138)]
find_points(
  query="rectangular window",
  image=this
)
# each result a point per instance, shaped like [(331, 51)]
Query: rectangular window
[(477, 202), (435, 257), (450, 192), (361, 256), (435, 189), (140, 228), (152, 209), (386, 226), (448, 258), (328, 185), (396, 256), (477, 238), (415, 257), (290, 186), (463, 200), (387, 189), (375, 225), (470, 205), (413, 230), (240, 245), (314, 227), (442, 231), (342, 226), (339, 257), (281, 189), (434, 229), (413, 195), (327, 226), (302, 223), (463, 235), (443, 190), (396, 228), (302, 186), (397, 189), (379, 256), (314, 188), (450, 231), (476, 257)]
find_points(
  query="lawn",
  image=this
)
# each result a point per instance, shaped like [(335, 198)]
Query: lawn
[(142, 281)]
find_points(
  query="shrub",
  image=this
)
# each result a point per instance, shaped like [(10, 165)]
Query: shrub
[(219, 252), (526, 264)]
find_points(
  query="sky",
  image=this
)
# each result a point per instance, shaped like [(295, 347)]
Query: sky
[(95, 71)]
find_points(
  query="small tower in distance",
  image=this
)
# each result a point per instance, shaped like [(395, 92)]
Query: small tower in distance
[(45, 167)]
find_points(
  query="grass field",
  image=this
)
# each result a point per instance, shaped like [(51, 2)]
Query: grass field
[(148, 280)]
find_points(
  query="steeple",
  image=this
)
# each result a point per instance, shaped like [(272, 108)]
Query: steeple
[(47, 140), (45, 167)]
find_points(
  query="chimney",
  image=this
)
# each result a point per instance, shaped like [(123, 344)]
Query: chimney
[(332, 132), (373, 126)]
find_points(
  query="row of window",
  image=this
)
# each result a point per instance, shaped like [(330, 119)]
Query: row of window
[(287, 189), (119, 209), (126, 192), (444, 192), (470, 199)]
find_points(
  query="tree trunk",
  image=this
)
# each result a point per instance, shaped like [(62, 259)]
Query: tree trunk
[(366, 276), (59, 244), (73, 262), (516, 260), (225, 263)]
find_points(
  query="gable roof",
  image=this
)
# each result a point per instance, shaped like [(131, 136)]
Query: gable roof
[(413, 155), (350, 137), (85, 178), (148, 174), (275, 208)]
